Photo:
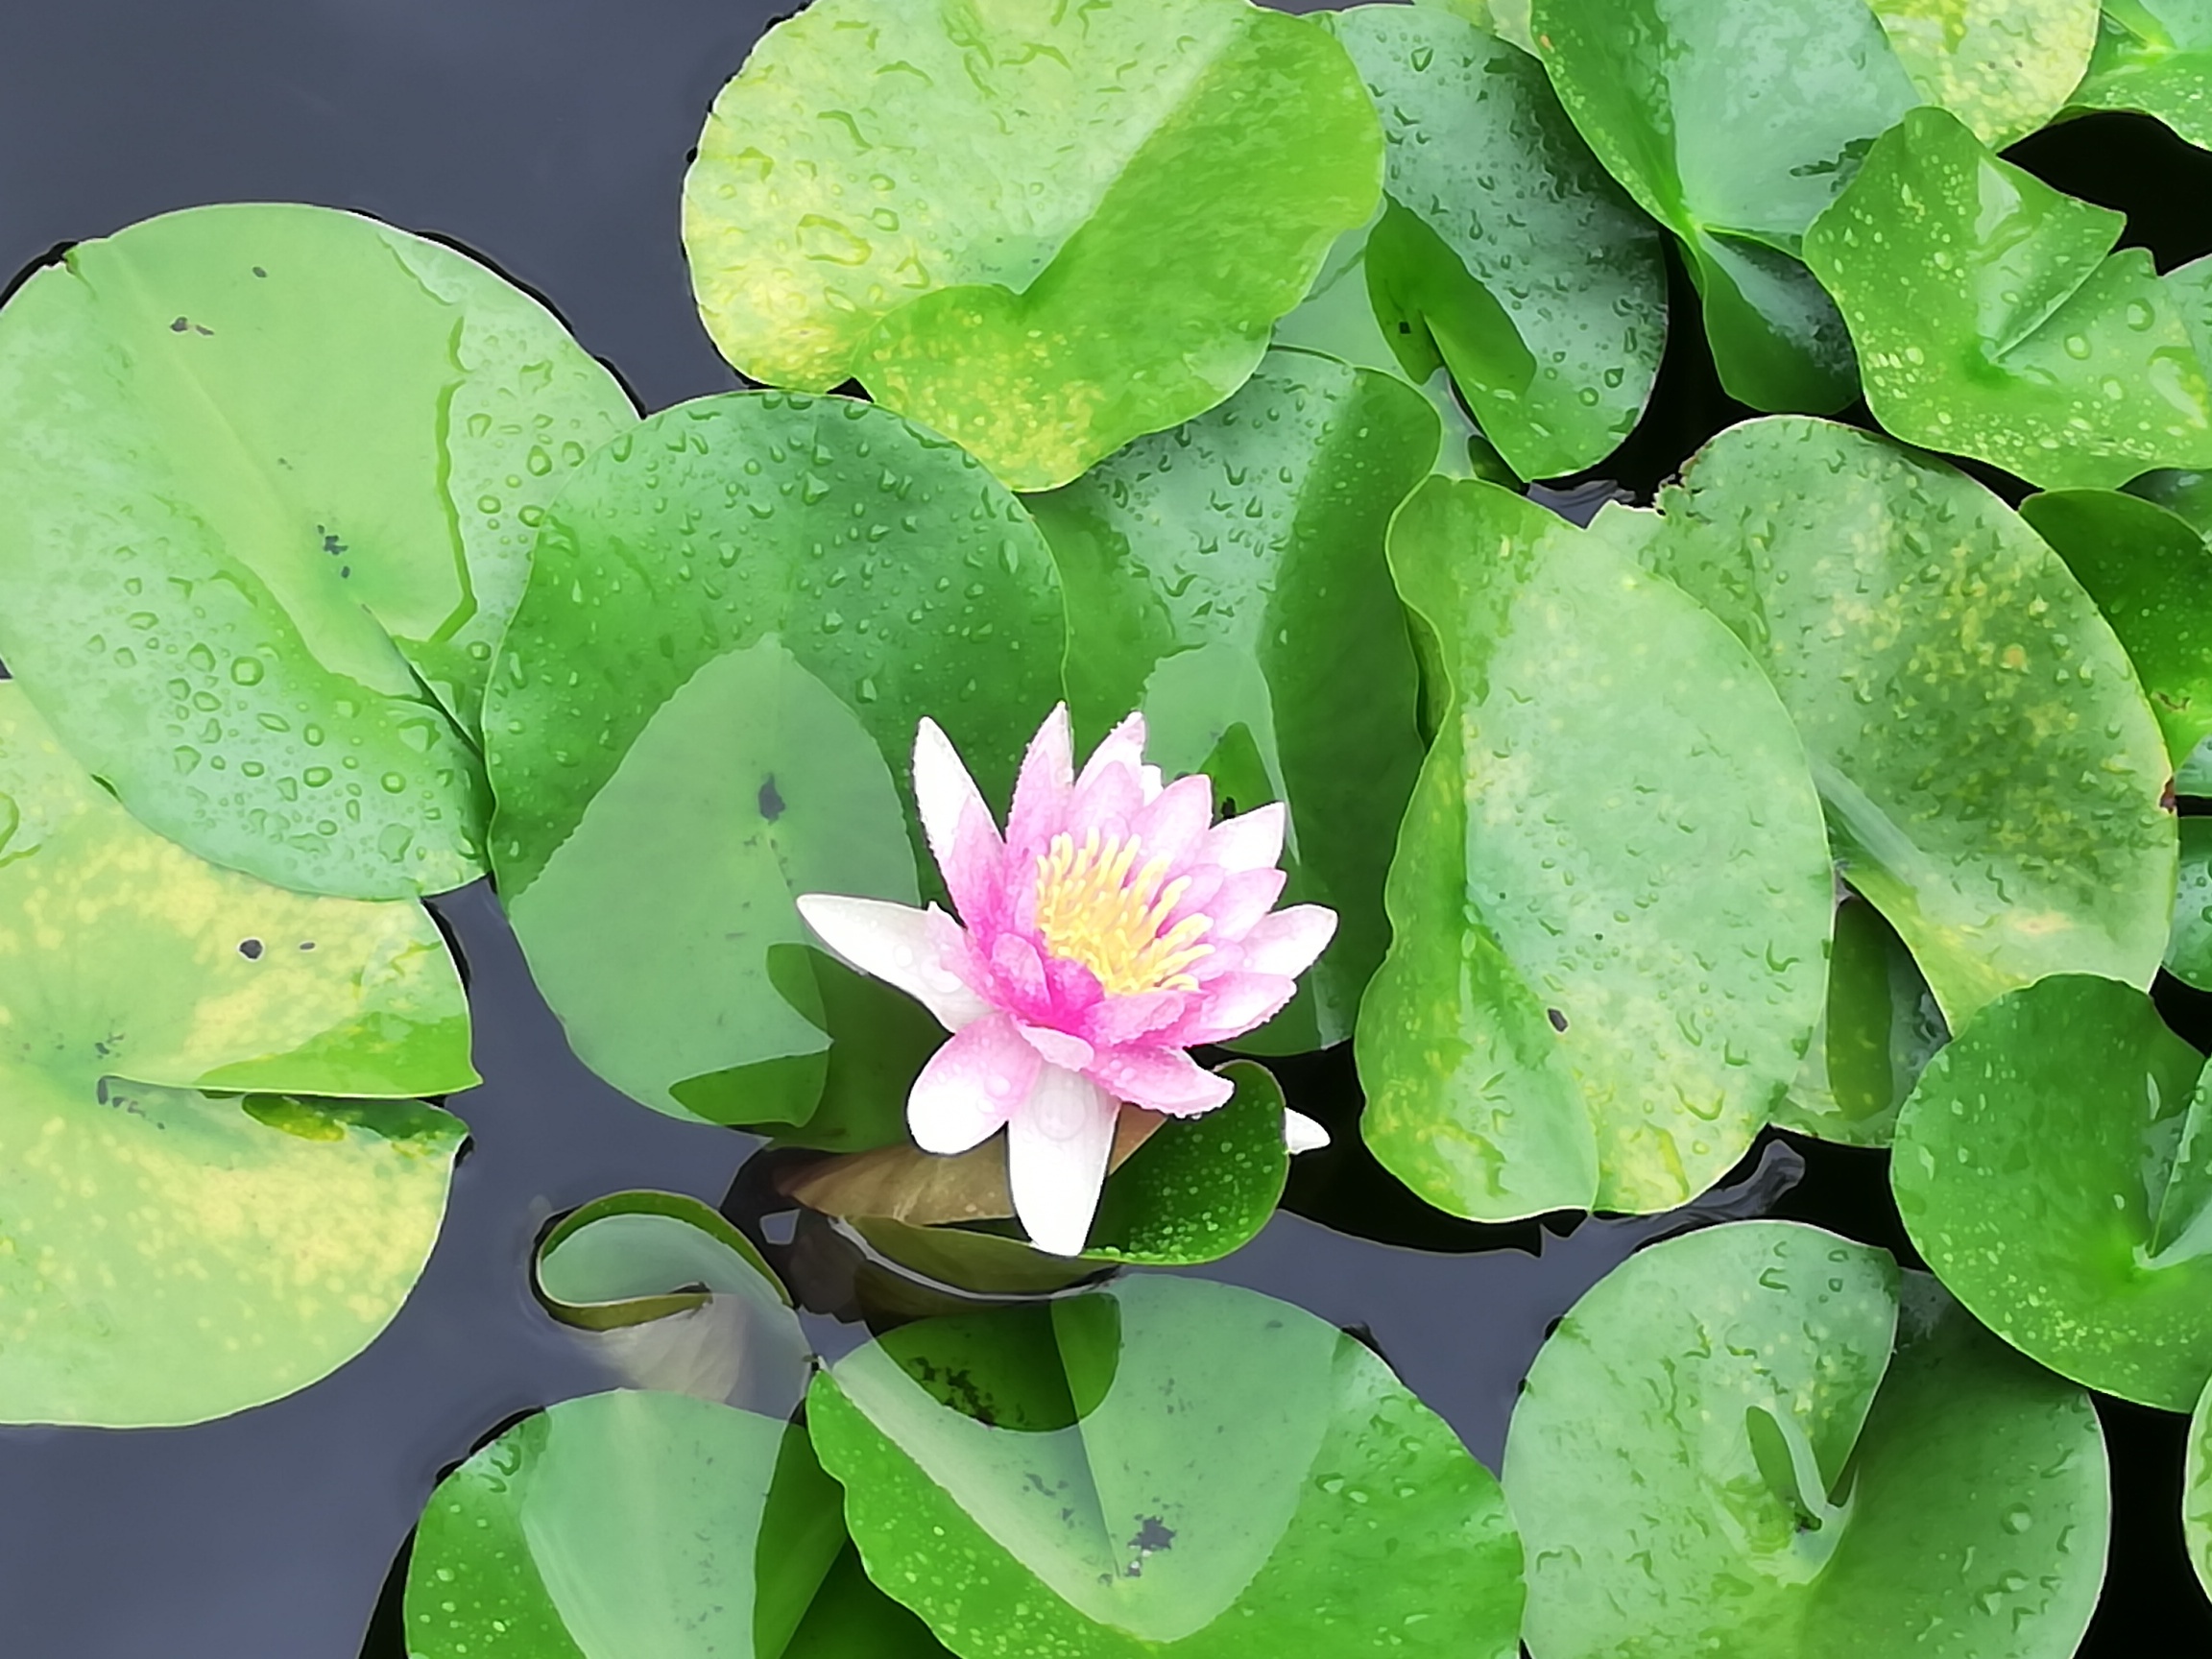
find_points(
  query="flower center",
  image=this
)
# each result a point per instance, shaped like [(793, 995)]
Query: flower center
[(1097, 906)]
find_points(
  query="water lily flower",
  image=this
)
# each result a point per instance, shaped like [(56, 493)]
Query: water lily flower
[(1112, 927)]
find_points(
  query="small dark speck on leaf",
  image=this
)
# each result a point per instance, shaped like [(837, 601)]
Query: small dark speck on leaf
[(258, 272), (1227, 806), (345, 570), (2168, 800), (250, 949), (307, 944), (198, 329), (180, 325), (1557, 1018), (771, 803), (1152, 1534)]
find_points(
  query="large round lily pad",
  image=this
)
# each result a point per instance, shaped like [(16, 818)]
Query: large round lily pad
[(1228, 579), (1734, 122), (1718, 1452), (2053, 1167), (1505, 251), (706, 704), (1163, 1468), (1611, 893), (185, 1230), (1992, 774), (2155, 57), (1042, 231), (621, 1525), (267, 499), (1992, 318)]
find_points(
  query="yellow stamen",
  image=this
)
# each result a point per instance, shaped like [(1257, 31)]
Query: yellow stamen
[(1092, 910)]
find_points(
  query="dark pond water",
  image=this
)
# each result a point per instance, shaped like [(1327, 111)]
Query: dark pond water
[(549, 137)]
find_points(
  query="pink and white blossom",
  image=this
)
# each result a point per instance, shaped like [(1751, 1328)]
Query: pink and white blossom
[(1111, 928)]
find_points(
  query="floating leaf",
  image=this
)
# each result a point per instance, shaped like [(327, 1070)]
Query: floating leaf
[(706, 705), (1507, 19), (1716, 1452), (2050, 1168), (2189, 950), (1042, 232), (676, 1299), (1611, 893), (851, 1619), (1163, 1467), (1228, 579), (169, 1255), (266, 502), (2004, 67), (1183, 1192), (1992, 775), (2155, 57), (1880, 1027), (1992, 318), (625, 1523), (2147, 568), (1734, 122), (1505, 251), (2197, 1490)]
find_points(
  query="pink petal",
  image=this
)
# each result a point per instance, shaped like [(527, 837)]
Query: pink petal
[(1231, 1006), (961, 836), (971, 1086), (1057, 1143), (1021, 970), (899, 945), (1301, 1134), (1041, 793), (1106, 803), (1123, 747), (1250, 841), (1243, 899), (1173, 827), (1161, 1080), (1287, 941), (1121, 1019), (1058, 1047)]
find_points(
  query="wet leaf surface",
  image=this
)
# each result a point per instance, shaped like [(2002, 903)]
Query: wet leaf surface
[(1716, 1452), (186, 1229), (1876, 1035), (2004, 67), (1228, 579), (623, 1524), (1163, 1467), (2051, 1169), (1505, 251), (1992, 775), (2154, 56), (706, 705), (1595, 995), (1993, 318), (1043, 236), (267, 502)]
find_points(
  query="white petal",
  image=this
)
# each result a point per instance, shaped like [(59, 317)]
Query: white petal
[(892, 942), (1287, 942), (970, 1086), (1301, 1134), (1124, 745), (1056, 1150), (943, 790), (1249, 841)]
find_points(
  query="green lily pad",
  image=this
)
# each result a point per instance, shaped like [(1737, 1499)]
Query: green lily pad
[(1992, 318), (1734, 122), (2197, 1490), (1611, 895), (1507, 19), (851, 1619), (1228, 579), (1881, 1028), (706, 704), (620, 1524), (2148, 569), (1042, 233), (1992, 774), (2004, 67), (2189, 949), (677, 1299), (1197, 1189), (2155, 57), (2050, 1168), (1163, 1467), (168, 1254), (1716, 1452), (1505, 251), (266, 503)]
